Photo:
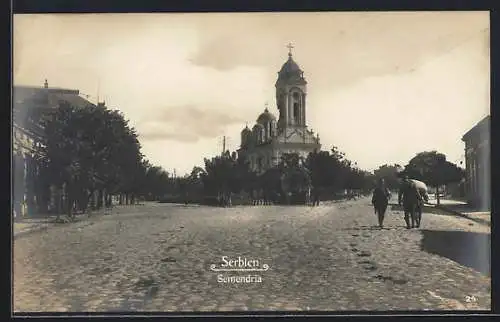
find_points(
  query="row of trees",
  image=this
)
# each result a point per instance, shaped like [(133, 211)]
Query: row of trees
[(93, 151), (430, 167), (328, 171), (333, 171)]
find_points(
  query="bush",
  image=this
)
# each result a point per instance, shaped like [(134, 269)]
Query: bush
[(241, 200)]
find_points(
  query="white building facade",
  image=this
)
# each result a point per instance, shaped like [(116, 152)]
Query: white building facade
[(269, 139)]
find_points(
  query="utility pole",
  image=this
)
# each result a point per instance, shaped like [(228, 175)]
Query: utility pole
[(223, 145), (98, 88), (175, 192)]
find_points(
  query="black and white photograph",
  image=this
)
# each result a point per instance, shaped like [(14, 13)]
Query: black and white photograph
[(251, 162)]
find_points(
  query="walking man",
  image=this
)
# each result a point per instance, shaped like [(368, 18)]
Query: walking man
[(380, 200)]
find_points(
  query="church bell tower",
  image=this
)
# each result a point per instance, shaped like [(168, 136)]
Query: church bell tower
[(291, 91)]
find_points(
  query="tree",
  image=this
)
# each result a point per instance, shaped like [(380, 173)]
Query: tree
[(157, 183), (322, 168), (91, 149), (341, 169), (194, 182), (295, 176), (333, 171), (220, 175), (432, 168), (389, 173)]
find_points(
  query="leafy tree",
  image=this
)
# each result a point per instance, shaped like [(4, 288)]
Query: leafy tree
[(157, 183), (331, 170), (194, 182), (322, 168), (341, 169), (295, 176), (91, 149), (271, 181), (219, 176), (432, 168), (390, 175)]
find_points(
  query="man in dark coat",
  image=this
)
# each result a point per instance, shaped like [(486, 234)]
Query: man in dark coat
[(412, 202), (380, 200)]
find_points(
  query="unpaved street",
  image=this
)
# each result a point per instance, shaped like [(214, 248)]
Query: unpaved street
[(157, 257)]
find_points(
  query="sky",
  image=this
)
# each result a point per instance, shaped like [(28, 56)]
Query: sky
[(381, 86)]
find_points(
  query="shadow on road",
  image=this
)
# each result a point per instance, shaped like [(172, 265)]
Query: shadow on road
[(372, 228), (470, 249), (396, 207)]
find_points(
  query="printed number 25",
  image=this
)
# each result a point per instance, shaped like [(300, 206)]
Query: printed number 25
[(470, 299)]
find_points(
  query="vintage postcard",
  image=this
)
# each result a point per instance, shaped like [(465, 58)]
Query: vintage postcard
[(223, 162)]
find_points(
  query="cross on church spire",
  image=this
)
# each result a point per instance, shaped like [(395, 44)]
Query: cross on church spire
[(290, 47), (267, 105)]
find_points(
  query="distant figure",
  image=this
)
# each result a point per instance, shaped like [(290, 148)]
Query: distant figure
[(412, 201), (380, 200), (315, 196), (308, 196)]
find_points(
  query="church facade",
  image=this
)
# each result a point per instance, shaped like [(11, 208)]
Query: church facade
[(270, 138)]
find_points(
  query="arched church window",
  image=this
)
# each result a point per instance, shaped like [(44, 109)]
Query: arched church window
[(296, 105)]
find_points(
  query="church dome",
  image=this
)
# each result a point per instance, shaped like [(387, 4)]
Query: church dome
[(290, 71), (290, 66), (265, 117), (258, 126), (246, 130)]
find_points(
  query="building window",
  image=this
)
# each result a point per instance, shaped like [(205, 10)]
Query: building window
[(296, 105)]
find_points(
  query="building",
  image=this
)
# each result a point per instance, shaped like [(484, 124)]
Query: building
[(31, 106), (477, 164), (269, 139)]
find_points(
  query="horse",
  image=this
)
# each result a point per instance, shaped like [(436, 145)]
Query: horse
[(410, 196)]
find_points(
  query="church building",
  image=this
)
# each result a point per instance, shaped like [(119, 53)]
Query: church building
[(269, 139)]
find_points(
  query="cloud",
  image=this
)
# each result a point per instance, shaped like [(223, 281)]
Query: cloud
[(362, 68), (391, 118), (347, 48), (187, 123)]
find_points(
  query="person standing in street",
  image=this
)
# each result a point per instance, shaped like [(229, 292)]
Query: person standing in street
[(412, 202), (380, 200)]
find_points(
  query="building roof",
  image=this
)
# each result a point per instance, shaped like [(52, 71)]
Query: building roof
[(265, 117), (31, 102), (258, 125), (31, 96), (481, 127), (290, 66), (291, 71), (246, 130)]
